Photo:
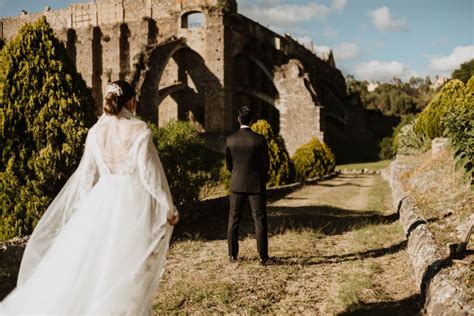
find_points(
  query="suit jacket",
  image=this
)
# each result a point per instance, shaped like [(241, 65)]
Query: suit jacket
[(246, 156)]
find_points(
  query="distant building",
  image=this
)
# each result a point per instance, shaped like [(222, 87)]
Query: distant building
[(440, 81), (372, 86)]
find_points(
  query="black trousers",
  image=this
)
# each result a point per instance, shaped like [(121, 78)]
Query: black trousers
[(259, 214)]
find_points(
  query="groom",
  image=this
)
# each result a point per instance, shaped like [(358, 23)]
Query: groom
[(247, 159)]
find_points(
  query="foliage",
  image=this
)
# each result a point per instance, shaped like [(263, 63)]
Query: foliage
[(394, 98), (46, 111), (464, 72), (408, 142), (459, 127), (281, 169), (2, 82), (389, 145), (428, 125), (387, 150), (188, 164), (223, 5), (313, 159)]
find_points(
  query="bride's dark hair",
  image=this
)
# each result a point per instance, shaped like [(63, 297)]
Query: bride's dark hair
[(118, 93)]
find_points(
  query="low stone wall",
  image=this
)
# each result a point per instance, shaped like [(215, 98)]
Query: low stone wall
[(10, 259), (441, 288), (11, 251)]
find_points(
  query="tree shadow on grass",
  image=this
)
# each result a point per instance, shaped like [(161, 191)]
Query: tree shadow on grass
[(355, 175), (318, 260), (344, 184), (211, 224), (326, 219), (407, 306)]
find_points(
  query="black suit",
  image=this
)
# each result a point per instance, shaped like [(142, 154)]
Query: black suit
[(247, 159)]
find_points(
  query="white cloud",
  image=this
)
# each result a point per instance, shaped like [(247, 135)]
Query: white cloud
[(383, 21), (377, 70), (446, 64), (322, 51), (338, 5), (330, 32), (276, 13), (343, 51), (439, 42), (305, 40), (346, 51)]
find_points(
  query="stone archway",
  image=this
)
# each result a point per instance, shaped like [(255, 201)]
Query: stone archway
[(253, 86), (283, 96), (175, 84)]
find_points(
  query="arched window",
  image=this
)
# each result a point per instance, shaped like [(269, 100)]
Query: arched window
[(192, 19)]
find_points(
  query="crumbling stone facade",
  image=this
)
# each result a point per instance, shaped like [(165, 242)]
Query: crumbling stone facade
[(200, 60)]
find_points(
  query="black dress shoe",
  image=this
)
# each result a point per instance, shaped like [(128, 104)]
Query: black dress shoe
[(266, 261), (232, 259)]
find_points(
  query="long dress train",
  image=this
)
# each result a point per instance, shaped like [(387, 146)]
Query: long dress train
[(100, 248)]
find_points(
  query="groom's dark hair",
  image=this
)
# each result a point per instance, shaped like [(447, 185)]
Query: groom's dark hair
[(245, 115)]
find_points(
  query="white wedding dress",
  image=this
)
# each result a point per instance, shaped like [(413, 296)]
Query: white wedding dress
[(100, 248)]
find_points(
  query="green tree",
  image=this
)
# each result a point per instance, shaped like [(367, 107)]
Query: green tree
[(394, 98), (464, 72), (281, 167), (46, 111)]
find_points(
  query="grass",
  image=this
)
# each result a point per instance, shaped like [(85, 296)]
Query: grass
[(373, 166), (351, 289), (315, 273), (379, 197), (375, 236), (441, 194)]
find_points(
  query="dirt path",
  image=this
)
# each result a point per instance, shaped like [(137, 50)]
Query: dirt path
[(338, 249)]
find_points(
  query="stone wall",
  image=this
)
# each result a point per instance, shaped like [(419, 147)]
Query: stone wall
[(10, 259), (202, 59), (443, 283)]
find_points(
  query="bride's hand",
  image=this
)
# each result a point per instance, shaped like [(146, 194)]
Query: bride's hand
[(174, 220)]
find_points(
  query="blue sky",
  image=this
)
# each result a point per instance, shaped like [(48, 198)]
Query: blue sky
[(371, 39)]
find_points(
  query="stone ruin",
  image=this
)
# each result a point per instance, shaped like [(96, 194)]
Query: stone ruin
[(200, 60)]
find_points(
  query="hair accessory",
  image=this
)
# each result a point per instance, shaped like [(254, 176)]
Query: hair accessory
[(244, 109), (114, 88)]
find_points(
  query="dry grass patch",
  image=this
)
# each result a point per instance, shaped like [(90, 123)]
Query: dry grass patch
[(316, 271), (378, 165), (374, 236), (444, 199)]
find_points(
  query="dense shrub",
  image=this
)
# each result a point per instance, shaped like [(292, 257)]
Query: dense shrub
[(46, 111), (459, 127), (389, 145), (428, 124), (313, 159), (2, 81), (188, 164), (408, 142), (281, 167), (387, 150)]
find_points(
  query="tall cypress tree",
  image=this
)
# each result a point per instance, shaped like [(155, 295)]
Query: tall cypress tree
[(46, 111)]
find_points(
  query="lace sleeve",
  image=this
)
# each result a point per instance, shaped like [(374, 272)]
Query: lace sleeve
[(153, 176), (88, 172)]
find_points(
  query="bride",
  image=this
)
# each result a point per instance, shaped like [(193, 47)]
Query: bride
[(100, 247)]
